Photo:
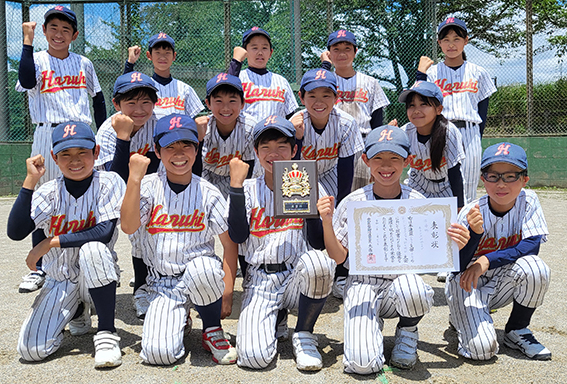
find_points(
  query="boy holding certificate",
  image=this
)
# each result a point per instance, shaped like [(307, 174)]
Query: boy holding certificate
[(369, 299)]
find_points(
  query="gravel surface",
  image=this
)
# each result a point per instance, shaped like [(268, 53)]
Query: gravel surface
[(438, 359)]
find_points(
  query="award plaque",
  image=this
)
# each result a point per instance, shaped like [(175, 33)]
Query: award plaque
[(295, 188)]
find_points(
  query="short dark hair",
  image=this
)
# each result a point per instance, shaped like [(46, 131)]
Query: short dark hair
[(136, 93), (257, 34), (61, 18), (273, 135), (158, 147), (162, 44), (225, 88), (343, 42), (485, 169)]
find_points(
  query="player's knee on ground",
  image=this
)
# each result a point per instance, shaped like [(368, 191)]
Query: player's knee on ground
[(413, 297), (97, 264), (533, 276), (252, 355), (32, 348), (481, 344), (364, 365), (162, 350), (203, 278), (317, 273)]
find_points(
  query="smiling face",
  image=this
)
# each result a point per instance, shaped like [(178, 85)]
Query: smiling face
[(139, 109), (59, 35), (319, 103), (422, 112), (76, 163), (502, 196), (162, 57), (259, 51), (453, 45), (342, 55), (226, 107), (178, 159), (386, 168), (269, 151)]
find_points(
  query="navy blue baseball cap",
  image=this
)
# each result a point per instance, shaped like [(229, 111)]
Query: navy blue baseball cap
[(317, 78), (424, 88), (131, 80), (223, 78), (387, 138), (73, 134), (161, 38), (175, 127), (342, 35), (452, 22), (65, 12), (254, 31), (505, 153), (274, 122)]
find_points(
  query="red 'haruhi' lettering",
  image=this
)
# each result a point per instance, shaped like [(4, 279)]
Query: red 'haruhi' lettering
[(160, 223), (59, 226), (261, 225), (424, 165), (213, 157), (311, 153), (491, 244), (359, 95), (52, 84), (253, 94), (168, 102), (142, 151), (457, 87)]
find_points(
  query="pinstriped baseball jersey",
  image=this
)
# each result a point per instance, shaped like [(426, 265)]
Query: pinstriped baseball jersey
[(176, 97), (462, 89), (142, 142), (524, 220), (421, 173), (266, 95), (179, 227), (271, 241), (56, 212), (62, 89), (341, 138), (359, 96), (217, 152)]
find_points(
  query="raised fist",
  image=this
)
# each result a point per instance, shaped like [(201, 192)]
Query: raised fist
[(238, 172)]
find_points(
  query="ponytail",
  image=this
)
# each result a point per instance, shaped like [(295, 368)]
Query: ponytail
[(438, 140)]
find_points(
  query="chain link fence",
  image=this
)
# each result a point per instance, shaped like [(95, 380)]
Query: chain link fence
[(392, 37)]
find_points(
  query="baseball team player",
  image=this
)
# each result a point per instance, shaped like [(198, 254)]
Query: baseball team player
[(370, 299), (174, 96), (500, 265), (284, 272), (58, 83), (359, 95), (178, 214), (466, 90), (436, 144), (265, 93), (78, 213)]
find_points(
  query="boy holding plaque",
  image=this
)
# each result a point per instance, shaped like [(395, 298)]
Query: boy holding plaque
[(284, 272), (500, 265), (369, 299)]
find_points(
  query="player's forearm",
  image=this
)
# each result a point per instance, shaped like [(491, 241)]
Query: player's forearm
[(130, 210), (26, 70), (238, 227), (377, 118), (101, 232), (99, 107), (230, 261), (528, 246), (119, 163), (334, 248), (128, 67), (467, 253), (345, 174), (20, 223)]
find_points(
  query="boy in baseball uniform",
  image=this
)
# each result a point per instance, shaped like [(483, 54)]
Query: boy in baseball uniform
[(284, 271), (178, 214), (369, 299), (77, 213), (58, 83), (500, 265)]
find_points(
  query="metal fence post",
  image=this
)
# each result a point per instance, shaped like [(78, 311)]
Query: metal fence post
[(123, 46), (79, 43), (330, 17), (4, 100), (28, 128), (227, 30), (529, 68), (297, 40)]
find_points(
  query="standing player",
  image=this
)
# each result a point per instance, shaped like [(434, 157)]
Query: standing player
[(500, 265), (359, 95), (58, 83), (283, 272), (178, 214), (174, 96), (78, 213), (368, 300), (466, 88), (265, 93)]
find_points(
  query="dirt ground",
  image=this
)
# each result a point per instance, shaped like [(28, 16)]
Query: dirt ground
[(438, 359)]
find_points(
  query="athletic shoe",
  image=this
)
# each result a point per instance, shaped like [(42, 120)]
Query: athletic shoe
[(215, 341), (442, 277), (32, 281), (141, 302), (307, 357), (132, 282), (107, 350), (81, 324), (339, 287), (404, 354), (524, 340), (282, 331)]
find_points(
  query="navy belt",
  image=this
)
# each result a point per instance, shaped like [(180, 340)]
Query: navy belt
[(273, 268), (459, 123), (52, 125)]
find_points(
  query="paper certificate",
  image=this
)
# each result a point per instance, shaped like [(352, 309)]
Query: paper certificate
[(402, 236)]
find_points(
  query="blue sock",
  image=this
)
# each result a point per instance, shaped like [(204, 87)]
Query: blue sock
[(210, 314), (104, 299), (308, 313)]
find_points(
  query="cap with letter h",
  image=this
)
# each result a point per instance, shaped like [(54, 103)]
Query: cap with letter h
[(223, 79), (505, 153), (65, 12), (131, 80), (317, 78), (452, 22), (73, 134), (252, 32), (161, 38), (274, 122), (342, 35), (424, 88), (175, 127), (387, 138)]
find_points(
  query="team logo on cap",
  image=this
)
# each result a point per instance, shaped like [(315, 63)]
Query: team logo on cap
[(503, 149), (222, 77), (270, 120), (386, 134), (162, 35), (135, 77), (320, 75), (341, 33), (255, 28), (450, 20), (58, 8), (69, 130), (175, 122)]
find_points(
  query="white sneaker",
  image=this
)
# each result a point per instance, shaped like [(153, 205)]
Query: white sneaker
[(307, 357), (524, 340), (141, 301), (32, 281), (107, 350), (81, 324), (404, 354), (282, 331), (442, 277), (339, 287)]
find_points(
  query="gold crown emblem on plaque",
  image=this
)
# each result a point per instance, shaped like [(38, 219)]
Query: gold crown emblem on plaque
[(295, 182)]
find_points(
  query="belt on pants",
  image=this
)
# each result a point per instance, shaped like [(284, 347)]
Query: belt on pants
[(459, 123), (52, 125), (273, 268)]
